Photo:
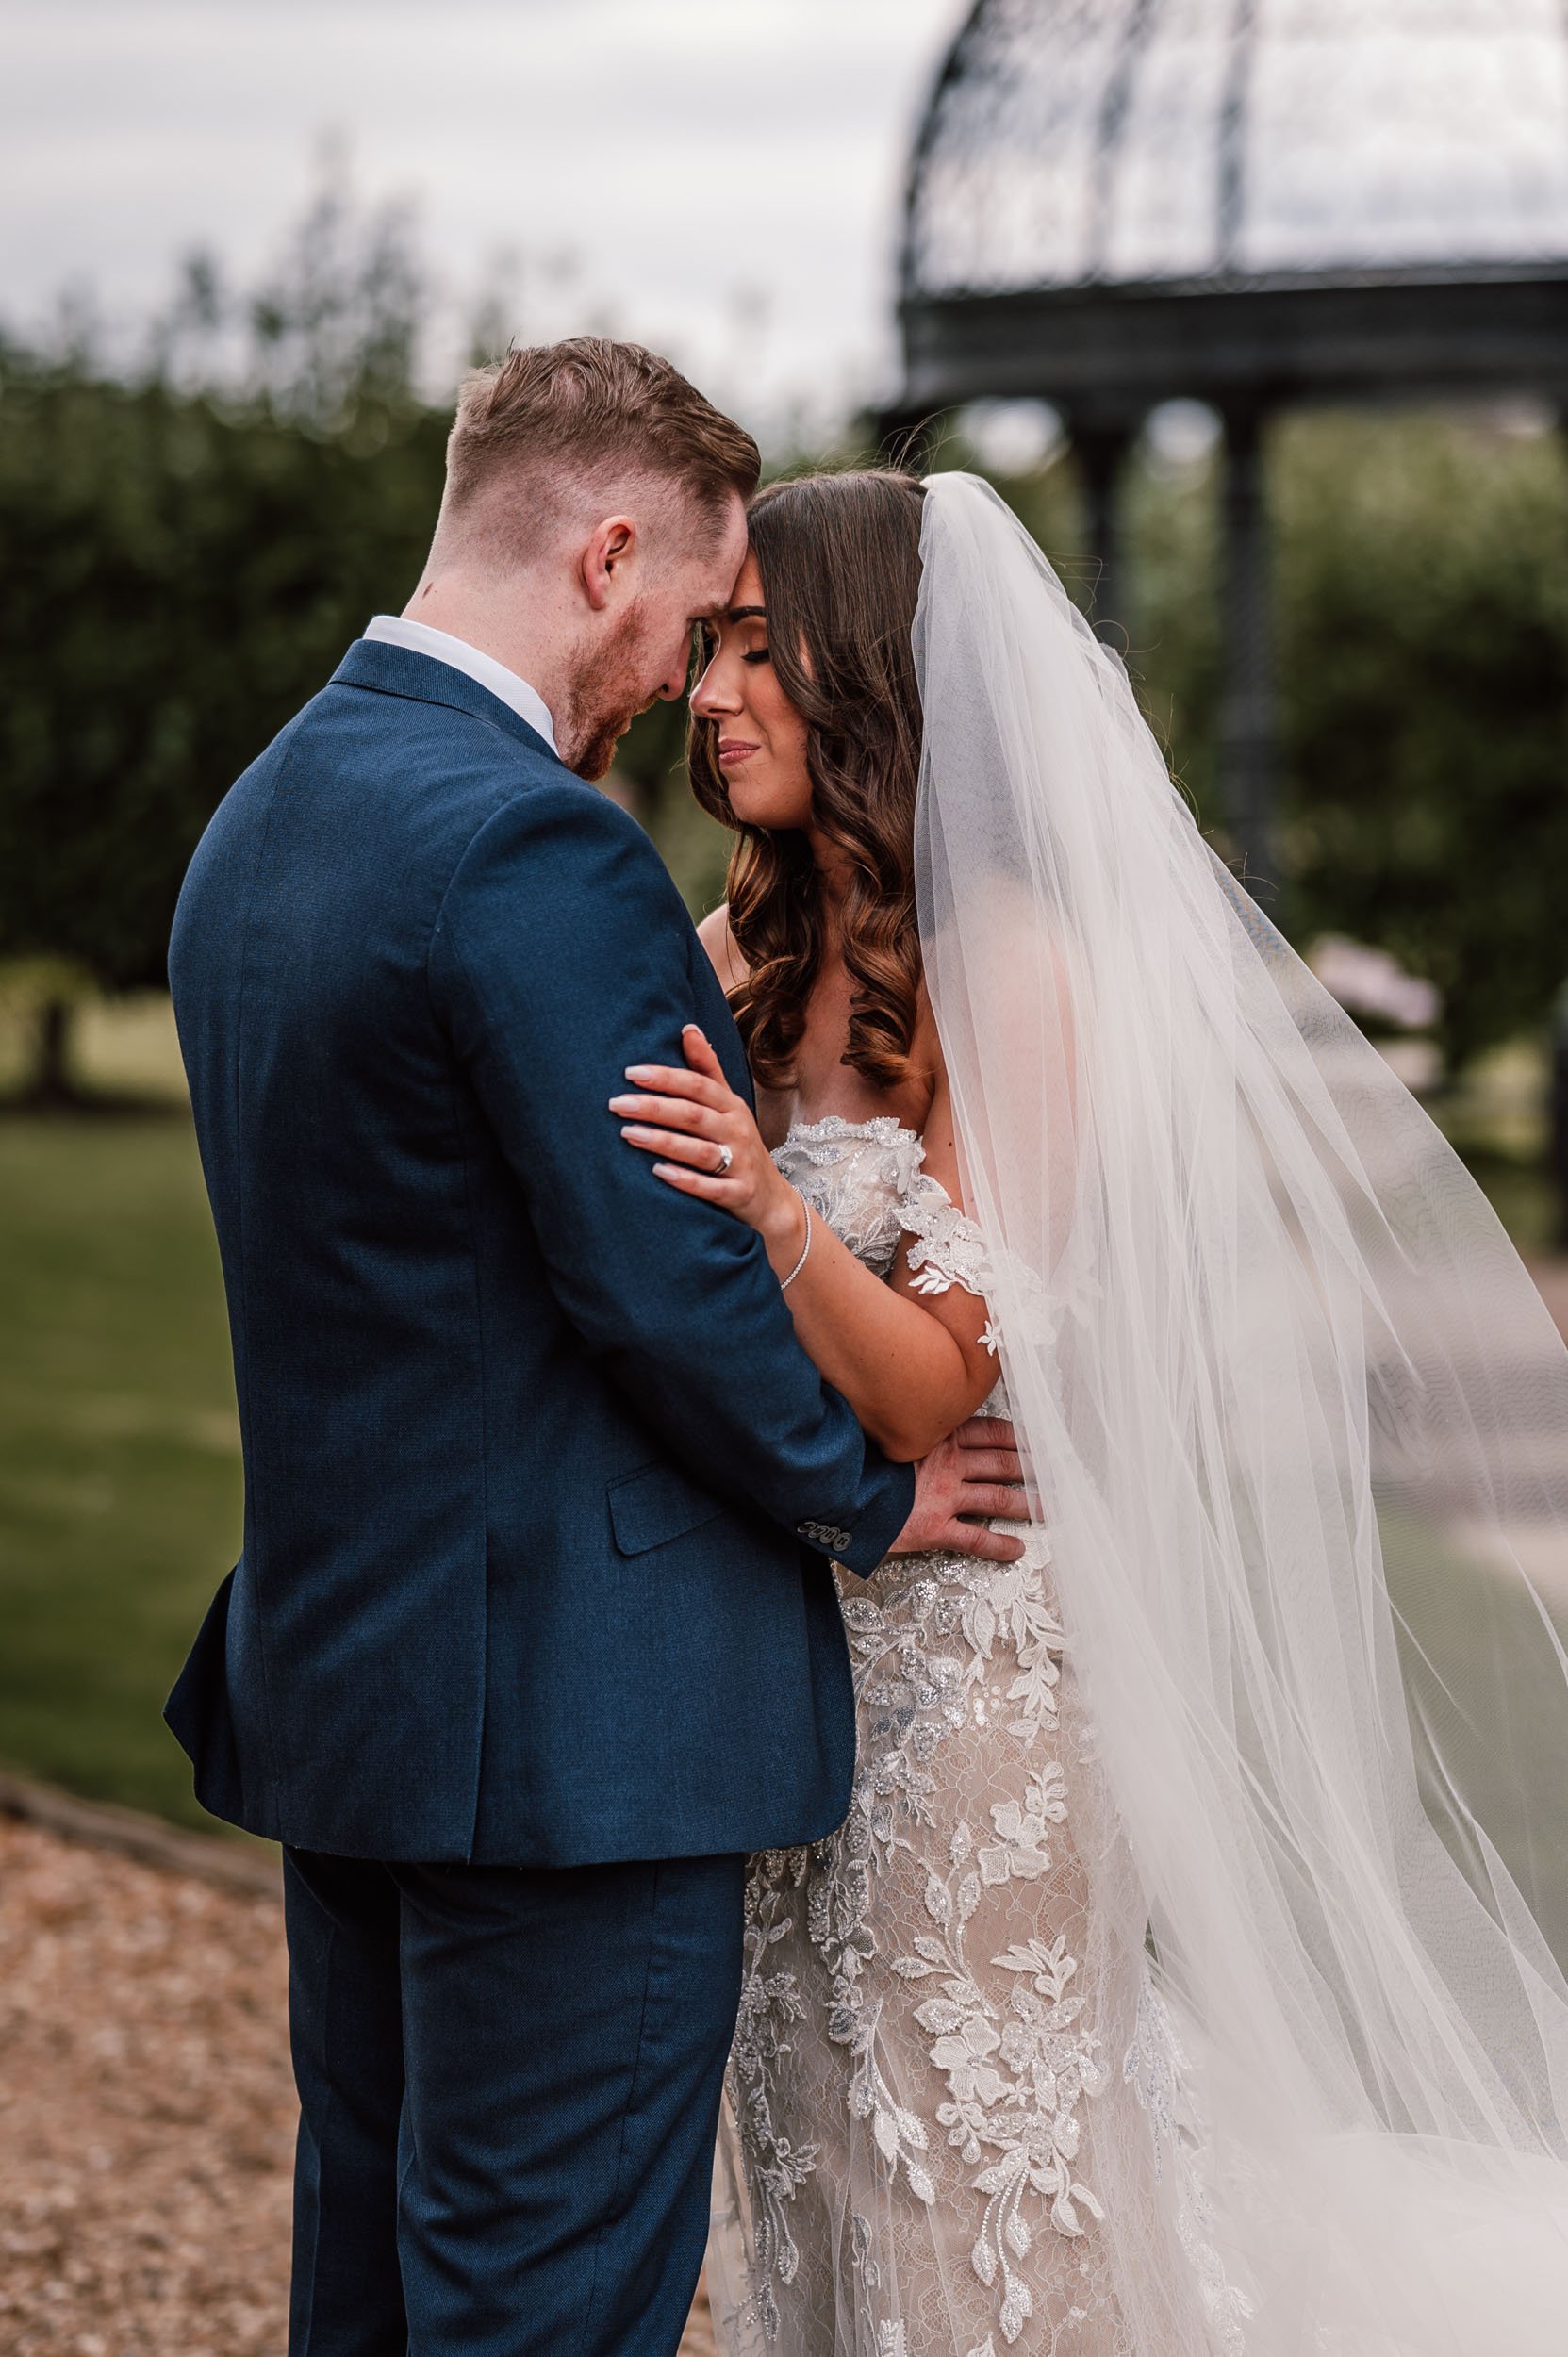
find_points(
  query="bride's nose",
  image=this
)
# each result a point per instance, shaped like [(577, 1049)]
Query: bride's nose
[(714, 694)]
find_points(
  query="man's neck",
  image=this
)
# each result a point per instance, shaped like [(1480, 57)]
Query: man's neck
[(509, 622)]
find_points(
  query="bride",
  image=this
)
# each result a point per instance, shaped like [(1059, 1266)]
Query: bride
[(1185, 1980)]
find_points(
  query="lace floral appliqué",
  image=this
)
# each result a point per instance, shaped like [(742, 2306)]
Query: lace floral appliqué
[(854, 1175), (947, 1248), (956, 1662)]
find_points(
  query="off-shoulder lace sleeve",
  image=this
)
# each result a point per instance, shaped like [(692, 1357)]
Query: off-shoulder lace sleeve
[(949, 1249)]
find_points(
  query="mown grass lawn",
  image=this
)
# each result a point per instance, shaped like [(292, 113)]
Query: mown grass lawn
[(119, 1483), (120, 1479)]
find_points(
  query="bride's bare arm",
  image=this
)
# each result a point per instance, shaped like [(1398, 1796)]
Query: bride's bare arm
[(912, 1366)]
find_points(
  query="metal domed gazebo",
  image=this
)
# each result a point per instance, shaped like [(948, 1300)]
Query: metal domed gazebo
[(1248, 203)]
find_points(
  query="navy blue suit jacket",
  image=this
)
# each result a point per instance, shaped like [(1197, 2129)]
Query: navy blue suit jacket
[(540, 1487)]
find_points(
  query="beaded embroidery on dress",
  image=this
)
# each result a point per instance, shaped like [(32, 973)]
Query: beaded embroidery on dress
[(938, 2137)]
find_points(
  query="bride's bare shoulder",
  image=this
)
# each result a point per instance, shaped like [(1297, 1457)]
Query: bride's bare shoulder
[(716, 939)]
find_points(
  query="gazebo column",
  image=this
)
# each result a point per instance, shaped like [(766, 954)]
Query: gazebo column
[(1101, 452), (1248, 731)]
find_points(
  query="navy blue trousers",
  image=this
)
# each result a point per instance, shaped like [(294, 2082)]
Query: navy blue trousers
[(509, 2081)]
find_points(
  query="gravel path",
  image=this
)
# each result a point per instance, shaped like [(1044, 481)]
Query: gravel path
[(146, 2111)]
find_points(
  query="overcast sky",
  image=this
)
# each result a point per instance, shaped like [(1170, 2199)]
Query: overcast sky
[(721, 177)]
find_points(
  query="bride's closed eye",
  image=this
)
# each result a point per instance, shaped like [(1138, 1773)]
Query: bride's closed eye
[(757, 654)]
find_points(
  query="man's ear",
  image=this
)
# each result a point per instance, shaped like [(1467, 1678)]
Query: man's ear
[(609, 549)]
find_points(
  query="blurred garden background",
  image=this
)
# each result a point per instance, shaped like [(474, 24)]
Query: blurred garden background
[(199, 516), (246, 252)]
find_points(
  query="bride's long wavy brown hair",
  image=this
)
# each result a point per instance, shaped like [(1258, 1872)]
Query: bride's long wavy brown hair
[(839, 556)]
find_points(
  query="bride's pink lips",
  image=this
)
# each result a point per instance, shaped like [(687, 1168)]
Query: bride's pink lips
[(733, 748)]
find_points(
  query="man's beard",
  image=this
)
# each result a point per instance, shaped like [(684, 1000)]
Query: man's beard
[(603, 700)]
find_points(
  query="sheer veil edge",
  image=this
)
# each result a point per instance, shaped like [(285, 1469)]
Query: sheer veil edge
[(1298, 1418)]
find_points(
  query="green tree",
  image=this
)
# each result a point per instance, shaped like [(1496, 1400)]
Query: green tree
[(1422, 596), (191, 545), (1423, 593), (185, 566)]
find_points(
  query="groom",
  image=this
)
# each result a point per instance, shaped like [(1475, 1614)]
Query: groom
[(533, 1636)]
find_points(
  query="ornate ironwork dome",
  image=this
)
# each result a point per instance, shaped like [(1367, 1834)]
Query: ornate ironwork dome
[(1251, 202), (1075, 142)]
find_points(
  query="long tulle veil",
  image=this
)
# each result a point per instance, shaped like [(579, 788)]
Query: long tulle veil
[(1299, 1424)]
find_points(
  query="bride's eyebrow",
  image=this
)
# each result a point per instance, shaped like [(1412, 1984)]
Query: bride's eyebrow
[(746, 614)]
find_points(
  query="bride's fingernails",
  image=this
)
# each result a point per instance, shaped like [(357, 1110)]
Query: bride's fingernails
[(640, 1071)]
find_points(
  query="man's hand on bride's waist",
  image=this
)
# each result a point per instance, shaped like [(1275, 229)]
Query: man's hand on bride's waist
[(971, 1478)]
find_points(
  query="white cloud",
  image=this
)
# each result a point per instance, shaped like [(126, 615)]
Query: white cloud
[(685, 149)]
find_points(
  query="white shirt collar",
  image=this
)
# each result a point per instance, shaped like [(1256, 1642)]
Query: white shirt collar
[(395, 630)]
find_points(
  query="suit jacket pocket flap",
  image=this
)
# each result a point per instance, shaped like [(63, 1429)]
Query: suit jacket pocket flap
[(656, 1505)]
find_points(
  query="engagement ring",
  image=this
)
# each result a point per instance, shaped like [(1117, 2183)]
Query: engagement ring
[(726, 1156)]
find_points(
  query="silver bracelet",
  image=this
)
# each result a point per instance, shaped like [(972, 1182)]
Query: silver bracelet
[(786, 1282)]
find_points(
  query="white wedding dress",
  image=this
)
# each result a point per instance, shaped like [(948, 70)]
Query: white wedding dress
[(1188, 1979), (945, 2126)]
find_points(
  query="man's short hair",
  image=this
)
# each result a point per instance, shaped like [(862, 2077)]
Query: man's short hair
[(587, 407)]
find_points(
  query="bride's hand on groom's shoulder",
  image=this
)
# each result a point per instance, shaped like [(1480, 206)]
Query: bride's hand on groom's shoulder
[(707, 1139), (973, 1476)]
